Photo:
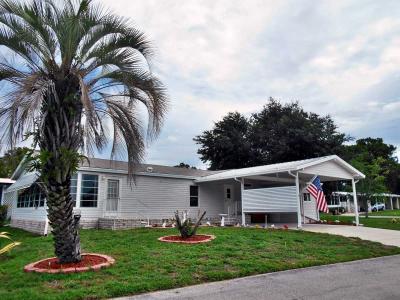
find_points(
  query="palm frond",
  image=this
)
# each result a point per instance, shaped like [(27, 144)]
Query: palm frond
[(76, 55)]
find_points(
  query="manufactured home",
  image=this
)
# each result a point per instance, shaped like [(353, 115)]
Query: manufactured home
[(105, 198)]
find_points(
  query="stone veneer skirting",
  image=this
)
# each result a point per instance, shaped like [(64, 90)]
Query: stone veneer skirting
[(118, 223), (33, 226)]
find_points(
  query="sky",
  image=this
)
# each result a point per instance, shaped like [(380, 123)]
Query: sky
[(340, 58)]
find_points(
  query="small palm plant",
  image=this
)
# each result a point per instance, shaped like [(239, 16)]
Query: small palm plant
[(8, 247), (185, 227)]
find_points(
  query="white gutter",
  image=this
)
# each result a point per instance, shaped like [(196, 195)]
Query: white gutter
[(116, 171)]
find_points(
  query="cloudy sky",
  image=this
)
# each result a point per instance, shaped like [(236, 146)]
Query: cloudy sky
[(335, 57)]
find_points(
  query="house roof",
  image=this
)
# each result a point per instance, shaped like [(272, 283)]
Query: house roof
[(282, 167), (143, 169)]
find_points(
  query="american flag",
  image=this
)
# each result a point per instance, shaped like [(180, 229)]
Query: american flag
[(316, 191)]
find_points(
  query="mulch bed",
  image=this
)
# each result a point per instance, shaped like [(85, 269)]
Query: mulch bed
[(196, 239), (90, 261)]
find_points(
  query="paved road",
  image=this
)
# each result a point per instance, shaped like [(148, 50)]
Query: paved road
[(384, 236), (375, 279)]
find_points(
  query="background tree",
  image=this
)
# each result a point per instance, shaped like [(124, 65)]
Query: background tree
[(278, 133), (77, 66), (10, 160), (366, 152), (185, 166), (285, 132), (374, 182), (227, 145)]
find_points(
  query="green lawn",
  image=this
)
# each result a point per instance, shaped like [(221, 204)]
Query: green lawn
[(145, 264), (385, 223), (395, 212)]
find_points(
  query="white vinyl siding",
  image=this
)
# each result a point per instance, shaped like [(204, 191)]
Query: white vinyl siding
[(330, 169), (212, 198), (155, 197), (8, 200), (310, 207), (277, 199)]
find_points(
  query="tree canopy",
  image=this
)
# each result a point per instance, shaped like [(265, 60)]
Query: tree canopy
[(10, 161), (185, 166), (227, 145), (377, 160), (278, 133)]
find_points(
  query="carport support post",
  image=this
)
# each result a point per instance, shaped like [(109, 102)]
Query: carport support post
[(241, 198), (298, 201), (353, 183)]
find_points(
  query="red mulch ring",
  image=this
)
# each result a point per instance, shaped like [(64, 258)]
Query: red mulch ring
[(90, 261), (196, 239)]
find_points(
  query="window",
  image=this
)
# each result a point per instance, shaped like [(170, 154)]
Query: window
[(194, 196), (113, 189), (73, 188), (31, 197), (89, 190), (228, 193), (306, 197)]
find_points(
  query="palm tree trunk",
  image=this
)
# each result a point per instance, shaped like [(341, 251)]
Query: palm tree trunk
[(59, 145), (64, 226)]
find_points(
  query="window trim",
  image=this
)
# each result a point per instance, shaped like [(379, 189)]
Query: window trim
[(198, 195)]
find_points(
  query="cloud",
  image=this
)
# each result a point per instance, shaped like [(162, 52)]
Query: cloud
[(335, 57)]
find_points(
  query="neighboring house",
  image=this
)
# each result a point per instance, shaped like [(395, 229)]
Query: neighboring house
[(106, 199), (4, 184), (343, 200)]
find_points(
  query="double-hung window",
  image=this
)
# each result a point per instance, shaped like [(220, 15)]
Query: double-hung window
[(89, 190), (194, 196)]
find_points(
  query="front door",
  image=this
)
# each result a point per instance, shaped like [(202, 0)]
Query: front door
[(112, 195), (229, 203)]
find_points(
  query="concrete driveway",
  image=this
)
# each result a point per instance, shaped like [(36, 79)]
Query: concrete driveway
[(374, 279), (384, 236)]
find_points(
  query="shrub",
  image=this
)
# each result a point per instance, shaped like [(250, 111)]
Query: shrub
[(185, 228), (3, 214)]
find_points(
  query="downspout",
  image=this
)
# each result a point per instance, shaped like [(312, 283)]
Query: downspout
[(299, 225), (241, 198)]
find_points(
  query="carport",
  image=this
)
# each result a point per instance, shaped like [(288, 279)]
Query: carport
[(278, 191)]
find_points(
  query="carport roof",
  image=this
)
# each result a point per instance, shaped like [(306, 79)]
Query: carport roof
[(294, 166)]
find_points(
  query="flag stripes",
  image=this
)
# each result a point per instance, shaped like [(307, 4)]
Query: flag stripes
[(315, 189)]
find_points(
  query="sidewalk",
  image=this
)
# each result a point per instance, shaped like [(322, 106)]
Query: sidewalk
[(370, 279), (384, 236)]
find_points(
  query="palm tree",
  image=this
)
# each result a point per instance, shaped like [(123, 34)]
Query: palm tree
[(74, 68)]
